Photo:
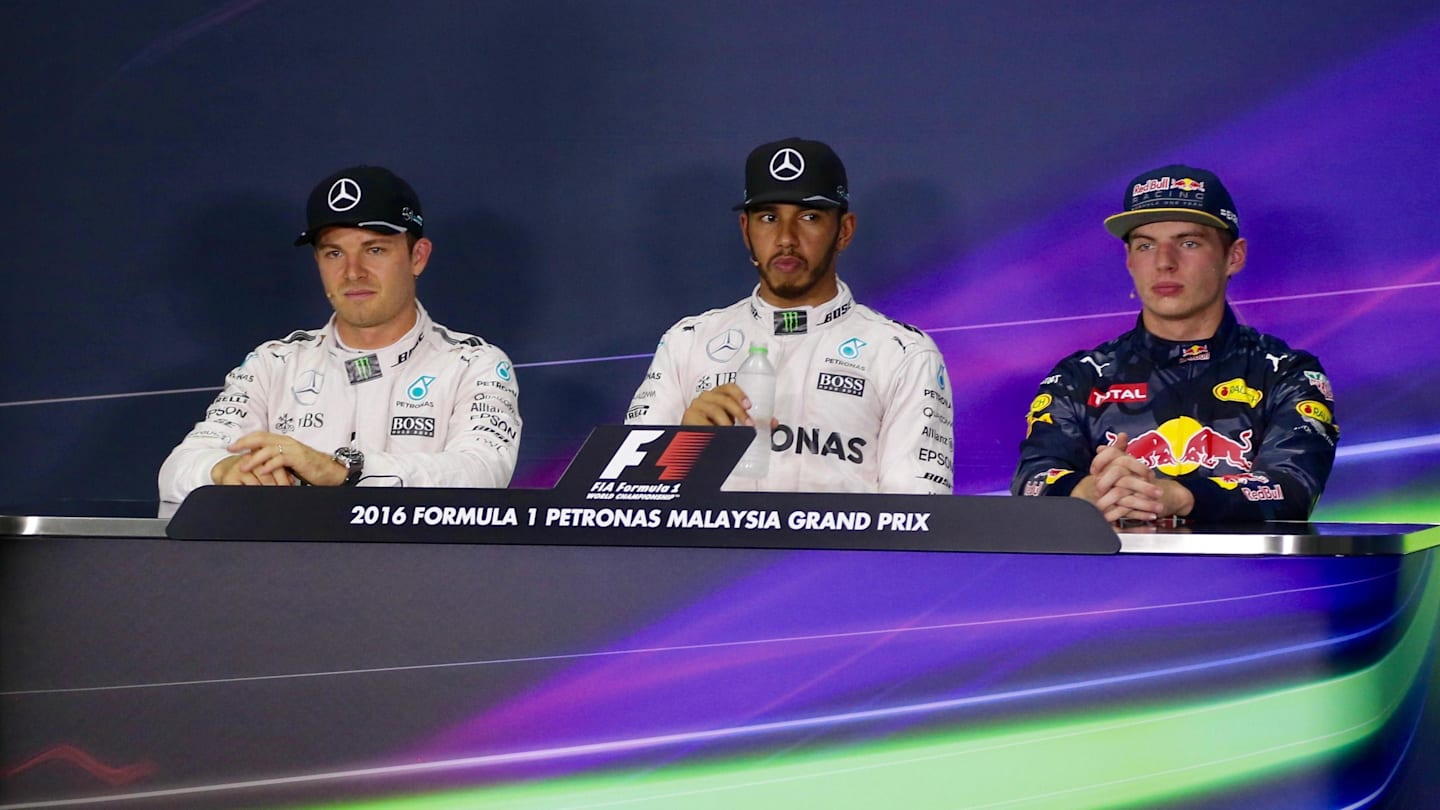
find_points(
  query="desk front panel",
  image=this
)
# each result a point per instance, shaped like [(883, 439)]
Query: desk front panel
[(244, 674)]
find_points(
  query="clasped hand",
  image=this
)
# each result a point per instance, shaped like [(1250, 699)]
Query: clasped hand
[(1122, 487), (274, 460)]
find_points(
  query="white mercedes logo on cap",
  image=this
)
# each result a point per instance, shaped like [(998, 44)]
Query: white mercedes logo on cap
[(344, 195), (786, 165)]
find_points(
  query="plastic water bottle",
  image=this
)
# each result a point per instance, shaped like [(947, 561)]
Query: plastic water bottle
[(757, 379)]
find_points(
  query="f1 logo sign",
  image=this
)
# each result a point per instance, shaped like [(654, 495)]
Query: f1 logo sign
[(675, 461), (629, 454)]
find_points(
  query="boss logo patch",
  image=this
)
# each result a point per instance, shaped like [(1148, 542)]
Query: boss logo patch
[(412, 426), (841, 384)]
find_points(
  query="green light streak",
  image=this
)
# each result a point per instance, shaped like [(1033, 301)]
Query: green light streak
[(1390, 508), (1137, 758), (1416, 502)]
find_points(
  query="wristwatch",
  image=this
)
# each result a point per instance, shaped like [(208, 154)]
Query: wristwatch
[(354, 462)]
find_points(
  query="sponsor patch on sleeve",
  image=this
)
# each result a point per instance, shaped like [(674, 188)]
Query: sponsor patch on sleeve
[(1036, 414), (1321, 383), (1237, 391), (1318, 411)]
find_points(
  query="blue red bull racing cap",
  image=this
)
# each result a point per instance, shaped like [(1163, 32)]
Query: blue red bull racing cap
[(1175, 193)]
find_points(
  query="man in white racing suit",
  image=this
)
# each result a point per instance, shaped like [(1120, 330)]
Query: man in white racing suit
[(379, 396), (862, 402)]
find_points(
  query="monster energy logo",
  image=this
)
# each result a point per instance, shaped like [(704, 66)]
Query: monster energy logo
[(364, 368), (791, 322)]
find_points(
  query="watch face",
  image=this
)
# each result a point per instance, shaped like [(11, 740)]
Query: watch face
[(354, 462)]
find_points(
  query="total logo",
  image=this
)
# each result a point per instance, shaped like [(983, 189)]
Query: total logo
[(850, 349), (420, 389), (1182, 445), (1125, 392)]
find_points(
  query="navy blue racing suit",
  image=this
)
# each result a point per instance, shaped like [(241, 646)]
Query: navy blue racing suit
[(1241, 420)]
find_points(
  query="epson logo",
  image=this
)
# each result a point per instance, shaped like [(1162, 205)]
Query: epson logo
[(841, 384), (412, 426)]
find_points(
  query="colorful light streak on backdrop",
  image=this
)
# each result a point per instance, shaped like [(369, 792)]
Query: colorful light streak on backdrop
[(1343, 263), (1262, 681)]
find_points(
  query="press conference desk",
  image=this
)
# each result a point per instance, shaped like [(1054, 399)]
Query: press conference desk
[(693, 664)]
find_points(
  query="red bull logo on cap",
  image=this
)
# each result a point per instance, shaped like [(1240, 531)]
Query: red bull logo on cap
[(1183, 445), (1165, 184)]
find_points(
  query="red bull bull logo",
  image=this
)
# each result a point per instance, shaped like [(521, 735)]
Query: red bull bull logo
[(1191, 354), (1189, 184), (1183, 445)]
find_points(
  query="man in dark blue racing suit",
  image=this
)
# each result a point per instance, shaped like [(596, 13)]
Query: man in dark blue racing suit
[(1189, 414)]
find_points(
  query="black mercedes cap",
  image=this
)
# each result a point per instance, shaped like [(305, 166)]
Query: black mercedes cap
[(795, 171), (1175, 193), (368, 197)]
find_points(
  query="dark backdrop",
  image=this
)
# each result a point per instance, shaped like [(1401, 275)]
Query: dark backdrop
[(578, 160)]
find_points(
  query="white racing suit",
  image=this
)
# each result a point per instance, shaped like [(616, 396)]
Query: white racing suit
[(436, 408), (863, 401)]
